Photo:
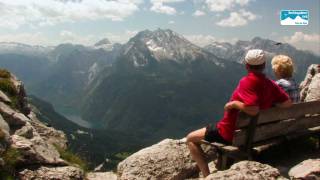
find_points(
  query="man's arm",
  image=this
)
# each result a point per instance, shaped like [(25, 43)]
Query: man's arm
[(285, 104), (251, 110)]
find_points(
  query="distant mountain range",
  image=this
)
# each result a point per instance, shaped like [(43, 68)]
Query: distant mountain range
[(236, 52), (157, 85)]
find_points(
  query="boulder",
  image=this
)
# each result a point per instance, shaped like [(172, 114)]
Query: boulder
[(4, 135), (102, 176), (313, 92), (12, 117), (26, 131), (169, 159), (52, 173), (311, 84), (4, 97), (248, 170), (22, 103), (308, 169), (5, 129), (49, 134), (36, 150)]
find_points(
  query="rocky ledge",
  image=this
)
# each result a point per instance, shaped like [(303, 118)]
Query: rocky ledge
[(28, 148)]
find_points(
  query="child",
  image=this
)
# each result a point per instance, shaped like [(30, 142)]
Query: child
[(283, 69)]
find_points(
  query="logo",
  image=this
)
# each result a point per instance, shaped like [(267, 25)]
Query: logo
[(294, 17)]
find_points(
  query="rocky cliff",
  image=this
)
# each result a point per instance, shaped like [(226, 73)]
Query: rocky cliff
[(28, 148)]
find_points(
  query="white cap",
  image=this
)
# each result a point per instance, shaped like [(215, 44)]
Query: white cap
[(255, 57)]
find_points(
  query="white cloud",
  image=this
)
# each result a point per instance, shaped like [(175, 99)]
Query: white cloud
[(199, 13), (222, 5), (304, 41), (171, 22), (235, 19), (36, 38), (160, 6), (50, 12), (201, 40), (301, 37), (71, 37)]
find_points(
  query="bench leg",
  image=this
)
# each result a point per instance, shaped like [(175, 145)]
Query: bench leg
[(224, 162)]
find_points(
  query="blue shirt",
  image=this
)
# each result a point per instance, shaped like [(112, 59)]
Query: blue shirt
[(291, 88)]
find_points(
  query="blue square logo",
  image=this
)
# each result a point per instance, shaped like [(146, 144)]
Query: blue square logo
[(294, 17)]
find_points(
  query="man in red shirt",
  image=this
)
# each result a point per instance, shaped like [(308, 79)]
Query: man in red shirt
[(254, 92)]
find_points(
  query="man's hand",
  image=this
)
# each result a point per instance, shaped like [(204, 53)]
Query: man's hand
[(251, 110), (230, 105)]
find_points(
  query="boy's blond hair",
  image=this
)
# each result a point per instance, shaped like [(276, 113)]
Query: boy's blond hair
[(283, 66)]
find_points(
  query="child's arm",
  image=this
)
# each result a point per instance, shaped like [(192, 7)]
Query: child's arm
[(251, 110)]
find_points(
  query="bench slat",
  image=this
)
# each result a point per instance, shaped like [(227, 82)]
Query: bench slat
[(276, 114), (281, 128)]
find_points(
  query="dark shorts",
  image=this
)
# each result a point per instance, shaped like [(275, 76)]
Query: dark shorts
[(212, 135)]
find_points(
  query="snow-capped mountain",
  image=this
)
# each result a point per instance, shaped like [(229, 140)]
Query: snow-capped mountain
[(19, 48), (236, 52), (163, 45)]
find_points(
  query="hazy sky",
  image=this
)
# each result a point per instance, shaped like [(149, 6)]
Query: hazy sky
[(50, 22)]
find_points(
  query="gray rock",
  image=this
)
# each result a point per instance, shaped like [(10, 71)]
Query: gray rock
[(308, 93), (49, 134), (52, 173), (26, 131), (22, 103), (4, 128), (36, 150), (247, 170), (313, 93), (308, 169), (102, 176), (2, 163), (4, 97), (169, 159), (12, 117)]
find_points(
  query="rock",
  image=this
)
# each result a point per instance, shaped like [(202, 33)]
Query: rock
[(2, 163), (164, 160), (313, 93), (4, 97), (36, 150), (49, 134), (248, 170), (311, 84), (308, 169), (169, 159), (52, 173), (22, 103), (5, 129), (4, 135), (102, 176), (26, 131), (12, 117)]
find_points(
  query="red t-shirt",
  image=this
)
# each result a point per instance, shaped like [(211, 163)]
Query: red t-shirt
[(253, 90)]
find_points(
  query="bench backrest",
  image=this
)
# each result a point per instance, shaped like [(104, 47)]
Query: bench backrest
[(276, 122)]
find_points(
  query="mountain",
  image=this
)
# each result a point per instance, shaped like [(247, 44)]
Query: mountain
[(23, 49), (162, 45), (236, 52), (154, 94)]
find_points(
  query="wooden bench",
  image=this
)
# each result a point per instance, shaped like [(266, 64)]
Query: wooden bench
[(270, 127)]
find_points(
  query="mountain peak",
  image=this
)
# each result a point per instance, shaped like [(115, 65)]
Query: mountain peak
[(162, 44)]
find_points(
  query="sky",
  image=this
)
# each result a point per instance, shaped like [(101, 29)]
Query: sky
[(51, 22)]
